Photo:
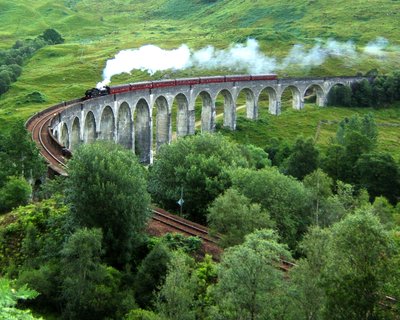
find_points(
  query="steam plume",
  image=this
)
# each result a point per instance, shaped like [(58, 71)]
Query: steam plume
[(238, 57)]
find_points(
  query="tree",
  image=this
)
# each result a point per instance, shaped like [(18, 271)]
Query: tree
[(303, 159), (379, 174), (196, 165), (140, 314), (340, 96), (357, 267), (19, 155), (250, 285), (384, 211), (175, 301), (9, 296), (285, 198), (151, 274), (234, 216), (5, 81), (87, 283), (362, 94), (17, 191), (107, 190), (307, 275), (51, 36), (320, 185), (354, 137), (255, 156)]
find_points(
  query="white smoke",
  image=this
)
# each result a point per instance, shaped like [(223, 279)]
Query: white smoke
[(238, 57), (148, 58), (317, 55), (377, 47)]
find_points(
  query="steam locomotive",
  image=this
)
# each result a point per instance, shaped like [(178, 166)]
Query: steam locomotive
[(95, 92)]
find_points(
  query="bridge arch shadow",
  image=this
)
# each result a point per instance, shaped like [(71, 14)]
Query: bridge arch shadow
[(89, 134), (207, 111), (225, 107), (338, 93), (291, 97), (246, 99), (314, 93), (125, 126), (107, 124), (267, 102), (64, 135), (75, 134), (161, 122), (142, 122)]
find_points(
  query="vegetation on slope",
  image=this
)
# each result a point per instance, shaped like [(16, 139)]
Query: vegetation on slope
[(95, 31)]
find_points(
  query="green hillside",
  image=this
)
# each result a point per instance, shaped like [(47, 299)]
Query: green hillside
[(95, 31)]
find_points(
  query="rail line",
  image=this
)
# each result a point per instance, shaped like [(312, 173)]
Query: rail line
[(38, 126), (183, 225)]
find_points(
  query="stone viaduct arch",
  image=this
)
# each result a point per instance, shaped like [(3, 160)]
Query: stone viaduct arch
[(135, 118)]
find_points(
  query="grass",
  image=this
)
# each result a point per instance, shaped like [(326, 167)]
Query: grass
[(293, 123), (96, 30)]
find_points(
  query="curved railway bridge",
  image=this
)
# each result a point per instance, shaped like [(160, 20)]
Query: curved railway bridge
[(143, 116)]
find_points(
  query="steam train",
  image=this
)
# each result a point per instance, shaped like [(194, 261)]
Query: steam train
[(95, 92)]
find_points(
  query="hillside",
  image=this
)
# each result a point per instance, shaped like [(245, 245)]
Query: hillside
[(95, 31)]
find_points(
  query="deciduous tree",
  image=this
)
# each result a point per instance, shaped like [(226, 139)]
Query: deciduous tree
[(107, 190), (197, 165), (234, 216), (249, 283)]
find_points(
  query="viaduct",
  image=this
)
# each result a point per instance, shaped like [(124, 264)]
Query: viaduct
[(143, 120)]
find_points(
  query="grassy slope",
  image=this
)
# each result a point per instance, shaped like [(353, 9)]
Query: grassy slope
[(292, 123), (96, 30)]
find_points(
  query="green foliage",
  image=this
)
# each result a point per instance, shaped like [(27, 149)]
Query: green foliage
[(357, 267), (140, 314), (234, 216), (385, 212), (199, 165), (278, 151), (16, 192), (107, 190), (285, 198), (175, 301), (377, 92), (256, 157), (19, 155), (303, 158), (379, 174), (205, 275), (52, 36), (307, 275), (151, 274), (327, 207), (361, 94), (177, 241), (354, 137), (11, 60), (249, 284), (45, 279), (31, 235), (90, 289), (340, 96), (9, 296), (33, 97)]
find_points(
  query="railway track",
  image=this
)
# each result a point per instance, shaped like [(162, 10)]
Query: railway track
[(38, 126), (184, 226)]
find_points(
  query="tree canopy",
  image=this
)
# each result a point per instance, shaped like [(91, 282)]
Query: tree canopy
[(199, 166), (107, 189)]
